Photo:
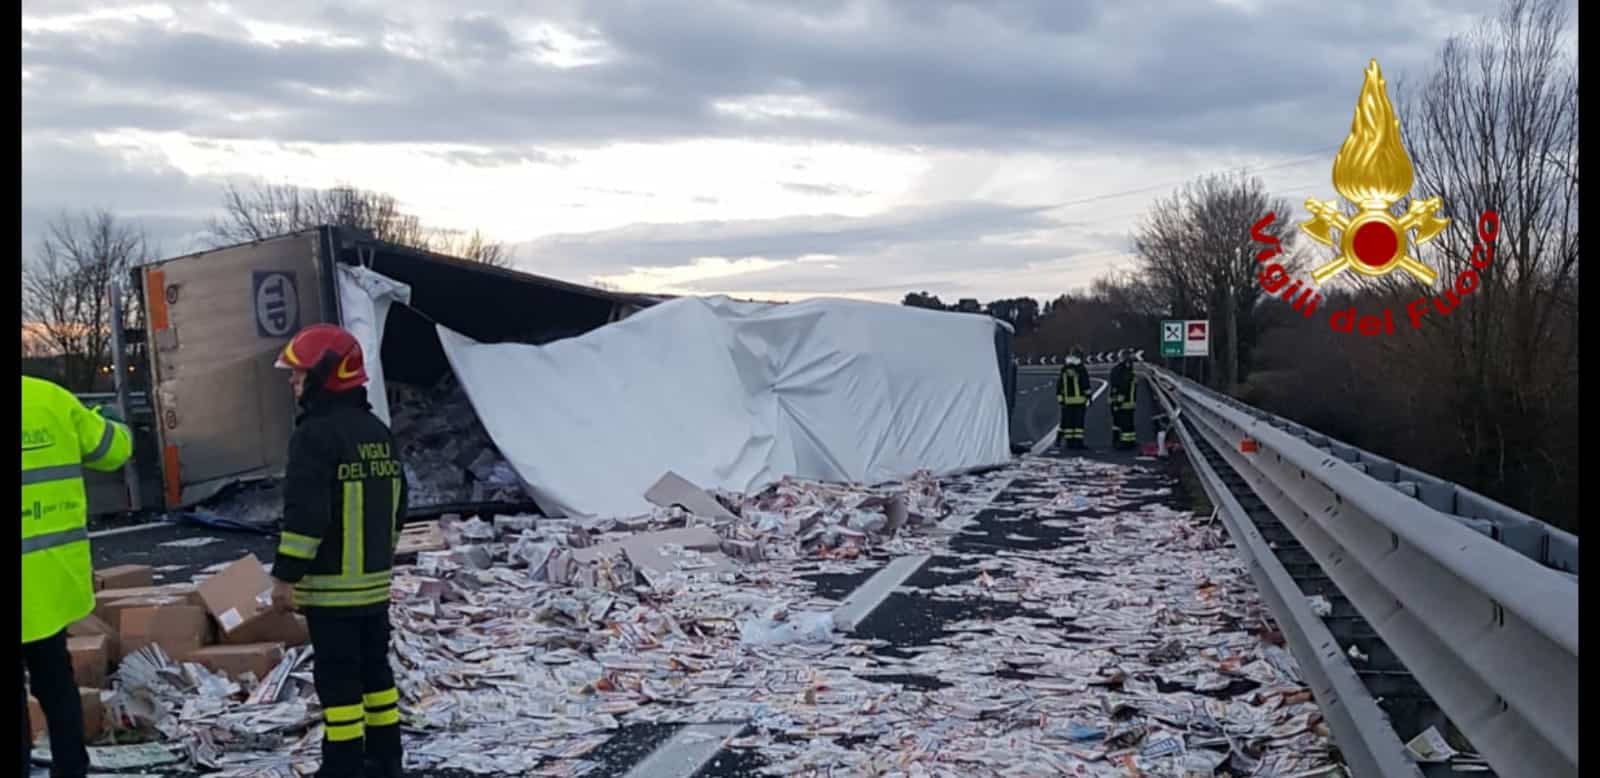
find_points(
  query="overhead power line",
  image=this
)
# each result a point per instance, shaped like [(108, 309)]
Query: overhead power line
[(1323, 155), (1304, 188)]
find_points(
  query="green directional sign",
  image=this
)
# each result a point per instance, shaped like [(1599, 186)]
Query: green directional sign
[(1172, 338)]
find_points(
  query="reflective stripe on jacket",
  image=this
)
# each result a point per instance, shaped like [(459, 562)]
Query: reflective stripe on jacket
[(343, 500), (1072, 386), (60, 438)]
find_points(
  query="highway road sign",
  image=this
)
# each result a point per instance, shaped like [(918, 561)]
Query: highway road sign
[(1172, 338), (1197, 338)]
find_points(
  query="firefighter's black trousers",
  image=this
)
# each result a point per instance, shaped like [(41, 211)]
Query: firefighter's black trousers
[(47, 669), (1071, 433), (1122, 429), (355, 684)]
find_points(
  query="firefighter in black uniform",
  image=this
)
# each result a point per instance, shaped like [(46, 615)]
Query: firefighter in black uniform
[(1072, 391), (343, 501), (1121, 387)]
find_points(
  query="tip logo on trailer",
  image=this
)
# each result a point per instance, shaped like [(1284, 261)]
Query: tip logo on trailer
[(1372, 172), (277, 303)]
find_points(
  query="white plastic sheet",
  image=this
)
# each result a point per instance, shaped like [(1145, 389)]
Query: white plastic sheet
[(737, 395), (364, 300)]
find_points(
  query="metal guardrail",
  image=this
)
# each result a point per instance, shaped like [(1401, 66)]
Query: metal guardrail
[(1535, 539), (1490, 633), (1366, 741)]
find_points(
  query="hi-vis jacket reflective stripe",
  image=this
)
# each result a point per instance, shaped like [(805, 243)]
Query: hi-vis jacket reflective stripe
[(344, 498), (60, 438), (1072, 386)]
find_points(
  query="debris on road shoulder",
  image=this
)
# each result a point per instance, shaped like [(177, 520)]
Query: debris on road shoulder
[(1130, 642)]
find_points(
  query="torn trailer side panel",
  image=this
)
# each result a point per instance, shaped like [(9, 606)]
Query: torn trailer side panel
[(216, 320)]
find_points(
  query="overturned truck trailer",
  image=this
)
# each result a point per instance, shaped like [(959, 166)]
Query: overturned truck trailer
[(825, 388), (214, 322)]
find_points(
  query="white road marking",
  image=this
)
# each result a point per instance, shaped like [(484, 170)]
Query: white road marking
[(124, 530), (687, 752), (866, 598)]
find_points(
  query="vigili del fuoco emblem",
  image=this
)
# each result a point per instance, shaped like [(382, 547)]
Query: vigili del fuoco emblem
[(1373, 172)]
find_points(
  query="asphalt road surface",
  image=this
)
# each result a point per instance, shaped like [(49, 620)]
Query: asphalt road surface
[(909, 617)]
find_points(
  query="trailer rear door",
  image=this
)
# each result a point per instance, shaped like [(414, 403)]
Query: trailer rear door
[(216, 322)]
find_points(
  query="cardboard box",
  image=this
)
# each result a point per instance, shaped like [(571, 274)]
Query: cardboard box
[(94, 718), (94, 714), (124, 577), (92, 625), (286, 628), (35, 719), (675, 490), (238, 596), (178, 629), (103, 599), (643, 550), (113, 610), (91, 658), (235, 661)]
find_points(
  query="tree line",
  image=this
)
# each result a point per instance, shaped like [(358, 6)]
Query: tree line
[(83, 256), (1485, 395)]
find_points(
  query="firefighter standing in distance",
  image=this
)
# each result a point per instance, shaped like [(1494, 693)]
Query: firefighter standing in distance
[(1072, 391), (1122, 387), (344, 498), (60, 438)]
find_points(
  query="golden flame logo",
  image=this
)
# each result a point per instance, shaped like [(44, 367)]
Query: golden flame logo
[(1373, 171)]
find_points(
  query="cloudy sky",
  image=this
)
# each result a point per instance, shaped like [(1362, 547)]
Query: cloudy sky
[(762, 148)]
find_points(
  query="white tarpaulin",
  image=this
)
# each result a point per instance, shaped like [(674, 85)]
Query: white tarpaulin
[(737, 395), (364, 300)]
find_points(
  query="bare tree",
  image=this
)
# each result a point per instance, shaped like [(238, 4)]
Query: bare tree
[(471, 246), (263, 210), (1197, 256), (1487, 393), (66, 304), (1495, 127)]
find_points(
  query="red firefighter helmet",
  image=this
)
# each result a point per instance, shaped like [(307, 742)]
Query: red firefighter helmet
[(329, 354)]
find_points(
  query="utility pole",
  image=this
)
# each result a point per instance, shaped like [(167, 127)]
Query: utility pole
[(1231, 377)]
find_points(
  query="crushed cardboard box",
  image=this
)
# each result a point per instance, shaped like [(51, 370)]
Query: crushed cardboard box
[(91, 626), (115, 609), (94, 721), (177, 628), (108, 602), (673, 490), (644, 551), (124, 577), (36, 721), (239, 598), (91, 659), (235, 661), (93, 715)]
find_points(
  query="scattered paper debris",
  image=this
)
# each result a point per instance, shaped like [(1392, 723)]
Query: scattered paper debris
[(194, 542), (522, 644), (1320, 606), (1430, 747)]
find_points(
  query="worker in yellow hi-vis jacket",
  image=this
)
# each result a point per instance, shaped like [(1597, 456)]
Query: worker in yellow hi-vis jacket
[(344, 498), (60, 437)]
